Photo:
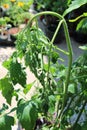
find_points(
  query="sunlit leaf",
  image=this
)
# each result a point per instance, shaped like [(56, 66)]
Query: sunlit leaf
[(28, 87), (83, 47)]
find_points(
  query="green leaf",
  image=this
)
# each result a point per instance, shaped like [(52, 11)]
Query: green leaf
[(28, 87), (6, 122), (82, 26), (6, 63), (71, 88), (7, 89), (27, 115), (74, 5), (83, 47), (55, 57), (17, 73), (85, 14)]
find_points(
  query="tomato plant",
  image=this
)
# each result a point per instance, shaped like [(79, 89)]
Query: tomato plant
[(60, 98)]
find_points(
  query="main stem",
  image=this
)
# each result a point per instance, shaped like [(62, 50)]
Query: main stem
[(61, 18), (69, 61)]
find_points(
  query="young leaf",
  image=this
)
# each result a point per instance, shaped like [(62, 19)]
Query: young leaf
[(6, 122)]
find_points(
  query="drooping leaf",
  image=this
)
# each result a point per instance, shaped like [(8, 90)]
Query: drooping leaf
[(74, 5), (17, 73), (27, 115), (7, 89), (6, 122)]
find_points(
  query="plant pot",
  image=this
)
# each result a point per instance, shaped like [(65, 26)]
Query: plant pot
[(15, 30), (9, 36)]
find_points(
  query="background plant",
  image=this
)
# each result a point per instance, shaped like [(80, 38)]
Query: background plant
[(79, 19), (51, 5), (15, 8)]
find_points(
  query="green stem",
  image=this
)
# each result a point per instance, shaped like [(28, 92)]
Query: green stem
[(69, 60), (79, 77), (69, 66), (65, 52), (51, 43), (68, 46), (57, 29), (77, 18), (45, 13)]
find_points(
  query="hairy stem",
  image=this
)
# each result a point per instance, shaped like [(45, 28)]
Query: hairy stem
[(69, 66), (68, 46)]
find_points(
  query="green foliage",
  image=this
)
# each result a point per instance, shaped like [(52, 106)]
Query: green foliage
[(51, 5), (28, 87), (6, 122), (79, 18), (27, 114), (83, 47), (84, 127), (71, 88), (7, 89), (4, 21), (17, 73), (75, 4), (17, 11), (82, 26)]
